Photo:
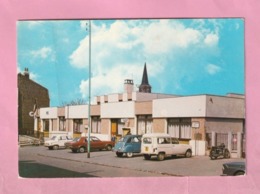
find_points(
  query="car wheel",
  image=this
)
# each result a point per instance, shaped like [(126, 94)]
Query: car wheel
[(129, 154), (50, 148), (81, 149), (239, 173), (109, 148), (160, 156), (119, 154), (55, 147), (188, 154), (147, 156)]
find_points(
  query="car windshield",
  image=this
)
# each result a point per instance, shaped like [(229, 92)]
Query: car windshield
[(53, 138), (123, 139), (75, 139)]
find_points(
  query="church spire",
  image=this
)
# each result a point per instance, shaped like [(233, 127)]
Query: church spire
[(145, 86)]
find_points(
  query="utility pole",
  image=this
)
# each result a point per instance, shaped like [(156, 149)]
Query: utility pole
[(89, 89)]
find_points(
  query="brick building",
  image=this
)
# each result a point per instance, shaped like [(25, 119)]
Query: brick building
[(31, 96)]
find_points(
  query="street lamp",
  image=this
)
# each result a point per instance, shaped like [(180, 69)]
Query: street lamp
[(89, 88)]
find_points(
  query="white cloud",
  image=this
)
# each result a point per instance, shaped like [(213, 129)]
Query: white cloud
[(124, 44), (211, 39), (212, 69), (43, 52)]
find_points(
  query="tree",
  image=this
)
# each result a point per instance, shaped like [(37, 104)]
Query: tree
[(78, 101)]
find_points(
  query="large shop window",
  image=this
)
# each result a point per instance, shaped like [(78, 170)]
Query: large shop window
[(144, 124), (179, 127), (96, 125), (78, 125), (221, 138), (62, 125)]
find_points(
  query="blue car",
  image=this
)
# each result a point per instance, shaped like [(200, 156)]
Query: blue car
[(128, 145)]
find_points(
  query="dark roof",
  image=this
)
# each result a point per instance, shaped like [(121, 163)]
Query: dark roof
[(145, 77)]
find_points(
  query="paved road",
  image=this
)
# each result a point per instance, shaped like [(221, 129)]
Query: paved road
[(38, 161)]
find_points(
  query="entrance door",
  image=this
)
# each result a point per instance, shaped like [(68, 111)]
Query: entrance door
[(114, 127)]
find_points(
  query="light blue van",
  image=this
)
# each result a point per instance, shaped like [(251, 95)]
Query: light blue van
[(128, 145)]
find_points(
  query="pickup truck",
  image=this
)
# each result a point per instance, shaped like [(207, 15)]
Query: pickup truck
[(163, 145), (57, 141)]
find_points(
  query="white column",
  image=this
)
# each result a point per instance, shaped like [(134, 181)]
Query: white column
[(213, 138), (42, 125), (35, 123), (229, 145), (58, 124), (239, 144), (50, 125)]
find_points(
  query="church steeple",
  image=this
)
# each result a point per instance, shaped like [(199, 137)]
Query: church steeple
[(145, 86)]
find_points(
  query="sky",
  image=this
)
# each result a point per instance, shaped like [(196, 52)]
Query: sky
[(183, 56)]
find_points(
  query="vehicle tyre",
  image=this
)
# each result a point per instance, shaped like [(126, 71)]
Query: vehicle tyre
[(227, 154), (213, 157), (147, 156), (239, 173), (160, 156), (119, 154), (188, 154), (56, 147), (109, 148), (81, 149), (129, 154)]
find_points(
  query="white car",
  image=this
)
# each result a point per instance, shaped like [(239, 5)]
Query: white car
[(162, 145), (57, 141)]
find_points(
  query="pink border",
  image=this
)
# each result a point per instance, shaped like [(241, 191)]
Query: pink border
[(13, 10)]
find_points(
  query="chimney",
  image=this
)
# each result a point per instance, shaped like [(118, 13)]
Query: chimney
[(26, 73), (128, 86)]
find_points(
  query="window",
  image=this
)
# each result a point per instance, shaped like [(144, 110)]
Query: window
[(46, 125), (147, 140), (144, 124), (234, 142), (78, 125), (62, 125), (164, 140), (179, 127), (96, 125), (221, 138)]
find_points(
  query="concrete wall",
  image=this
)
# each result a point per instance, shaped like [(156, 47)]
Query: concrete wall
[(118, 110), (144, 108), (49, 113), (76, 112), (192, 106), (224, 125), (225, 107)]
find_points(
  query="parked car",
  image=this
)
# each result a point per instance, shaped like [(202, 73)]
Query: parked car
[(233, 169), (163, 145), (75, 139), (81, 145), (128, 145), (57, 141)]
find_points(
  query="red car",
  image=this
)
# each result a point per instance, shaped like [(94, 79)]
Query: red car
[(81, 145)]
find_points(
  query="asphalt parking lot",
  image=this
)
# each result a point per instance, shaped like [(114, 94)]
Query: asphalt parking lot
[(37, 161)]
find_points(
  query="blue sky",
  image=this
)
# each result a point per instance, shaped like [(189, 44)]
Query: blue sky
[(183, 56)]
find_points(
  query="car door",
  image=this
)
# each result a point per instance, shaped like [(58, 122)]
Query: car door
[(176, 149), (95, 143), (136, 143)]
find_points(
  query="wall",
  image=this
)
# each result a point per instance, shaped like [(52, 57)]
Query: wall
[(224, 125), (225, 107), (143, 108), (29, 92), (159, 125), (118, 110), (49, 113), (192, 106), (76, 112)]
